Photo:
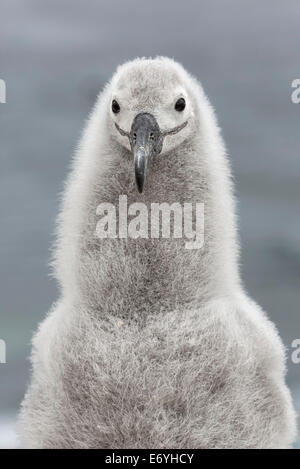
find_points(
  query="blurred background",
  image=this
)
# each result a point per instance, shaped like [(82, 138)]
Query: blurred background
[(55, 57)]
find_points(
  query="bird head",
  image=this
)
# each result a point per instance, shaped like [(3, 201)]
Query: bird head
[(152, 111)]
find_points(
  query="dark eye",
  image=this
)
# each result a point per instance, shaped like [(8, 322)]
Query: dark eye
[(115, 106), (180, 104)]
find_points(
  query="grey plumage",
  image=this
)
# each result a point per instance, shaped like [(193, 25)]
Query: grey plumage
[(152, 345)]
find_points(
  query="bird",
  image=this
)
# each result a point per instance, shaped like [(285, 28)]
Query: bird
[(152, 344)]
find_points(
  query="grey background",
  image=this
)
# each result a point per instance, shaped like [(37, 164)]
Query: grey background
[(56, 55)]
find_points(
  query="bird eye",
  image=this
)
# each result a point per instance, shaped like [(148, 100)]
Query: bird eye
[(180, 104), (115, 106)]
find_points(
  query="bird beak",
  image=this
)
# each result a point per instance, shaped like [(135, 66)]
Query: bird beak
[(146, 142)]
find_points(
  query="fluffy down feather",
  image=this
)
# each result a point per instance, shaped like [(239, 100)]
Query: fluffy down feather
[(152, 345)]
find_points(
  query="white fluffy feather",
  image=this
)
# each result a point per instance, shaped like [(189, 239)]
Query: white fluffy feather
[(152, 345)]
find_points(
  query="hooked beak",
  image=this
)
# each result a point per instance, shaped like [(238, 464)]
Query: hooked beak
[(146, 141)]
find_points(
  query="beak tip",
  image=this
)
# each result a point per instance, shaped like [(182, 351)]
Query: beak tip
[(140, 180), (140, 187)]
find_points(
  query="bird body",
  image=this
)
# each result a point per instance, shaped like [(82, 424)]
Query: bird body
[(153, 345)]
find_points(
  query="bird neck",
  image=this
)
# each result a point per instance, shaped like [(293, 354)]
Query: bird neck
[(138, 268)]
